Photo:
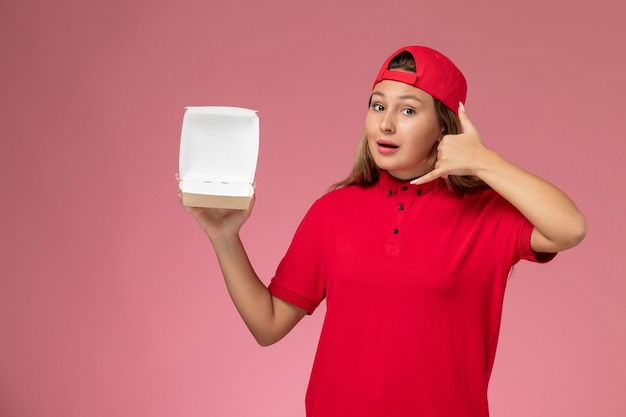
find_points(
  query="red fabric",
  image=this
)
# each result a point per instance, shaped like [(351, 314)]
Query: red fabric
[(414, 279), (435, 74)]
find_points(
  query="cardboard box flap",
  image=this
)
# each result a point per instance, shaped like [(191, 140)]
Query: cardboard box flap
[(219, 149)]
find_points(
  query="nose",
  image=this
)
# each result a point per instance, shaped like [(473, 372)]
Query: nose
[(387, 122)]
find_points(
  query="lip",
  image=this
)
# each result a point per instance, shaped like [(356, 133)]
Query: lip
[(386, 147)]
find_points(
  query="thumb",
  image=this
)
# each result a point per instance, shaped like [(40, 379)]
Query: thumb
[(466, 123)]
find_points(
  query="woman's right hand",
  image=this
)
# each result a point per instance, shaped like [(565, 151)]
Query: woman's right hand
[(268, 317), (217, 222)]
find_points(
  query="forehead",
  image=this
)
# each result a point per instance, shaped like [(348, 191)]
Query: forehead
[(398, 90)]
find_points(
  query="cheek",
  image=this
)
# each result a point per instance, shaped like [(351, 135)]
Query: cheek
[(371, 145), (369, 126), (426, 134), (371, 134)]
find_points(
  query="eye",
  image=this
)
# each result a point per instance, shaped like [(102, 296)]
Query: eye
[(378, 107), (408, 112)]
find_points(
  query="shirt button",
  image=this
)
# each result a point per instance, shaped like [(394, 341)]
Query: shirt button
[(389, 192), (404, 188), (396, 231), (401, 207), (419, 192)]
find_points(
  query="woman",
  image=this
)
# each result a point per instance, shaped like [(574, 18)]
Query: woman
[(411, 252)]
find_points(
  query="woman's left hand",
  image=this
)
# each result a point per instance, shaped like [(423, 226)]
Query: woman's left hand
[(458, 154), (558, 224)]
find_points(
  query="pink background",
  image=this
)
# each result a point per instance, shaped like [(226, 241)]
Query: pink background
[(111, 300)]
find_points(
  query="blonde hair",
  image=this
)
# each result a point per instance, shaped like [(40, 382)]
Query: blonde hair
[(364, 170)]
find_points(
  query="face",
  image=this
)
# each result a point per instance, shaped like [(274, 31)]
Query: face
[(402, 128)]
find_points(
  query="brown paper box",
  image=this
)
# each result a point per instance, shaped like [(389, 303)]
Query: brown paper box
[(216, 201), (218, 156)]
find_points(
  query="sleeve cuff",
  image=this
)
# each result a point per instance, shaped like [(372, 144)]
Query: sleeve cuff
[(527, 251), (292, 298)]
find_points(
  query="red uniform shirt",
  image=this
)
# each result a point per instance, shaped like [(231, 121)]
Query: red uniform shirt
[(414, 280)]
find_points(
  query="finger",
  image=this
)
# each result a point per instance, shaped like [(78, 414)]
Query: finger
[(434, 174), (466, 123), (253, 196), (252, 203)]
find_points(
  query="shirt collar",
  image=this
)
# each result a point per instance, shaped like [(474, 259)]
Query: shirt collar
[(390, 186)]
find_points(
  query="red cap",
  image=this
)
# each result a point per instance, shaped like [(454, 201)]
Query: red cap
[(435, 74)]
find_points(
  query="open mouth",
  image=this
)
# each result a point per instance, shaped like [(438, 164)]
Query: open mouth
[(387, 145)]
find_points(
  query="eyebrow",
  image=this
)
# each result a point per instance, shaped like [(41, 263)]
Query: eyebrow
[(404, 97)]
